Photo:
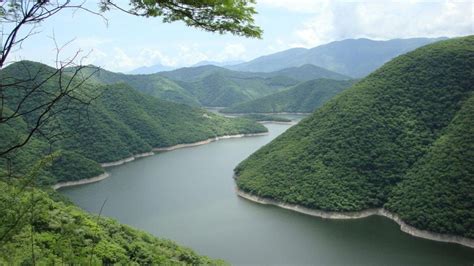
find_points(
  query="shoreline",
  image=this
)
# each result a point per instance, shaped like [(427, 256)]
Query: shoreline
[(277, 113), (207, 141), (146, 154), (404, 227), (277, 122), (81, 181)]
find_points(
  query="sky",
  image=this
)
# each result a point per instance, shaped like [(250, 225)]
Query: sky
[(127, 42)]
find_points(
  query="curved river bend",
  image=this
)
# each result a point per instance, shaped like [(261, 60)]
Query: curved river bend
[(188, 195)]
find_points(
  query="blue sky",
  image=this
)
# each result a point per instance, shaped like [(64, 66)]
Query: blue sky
[(128, 42)]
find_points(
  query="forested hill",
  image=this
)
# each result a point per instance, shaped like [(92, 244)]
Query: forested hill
[(217, 86), (302, 98), (154, 85), (211, 85), (36, 224), (118, 124), (401, 138)]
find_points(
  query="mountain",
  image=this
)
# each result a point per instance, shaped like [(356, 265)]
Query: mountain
[(120, 123), (302, 98), (150, 69), (154, 85), (401, 139), (352, 57), (308, 72), (215, 63), (216, 86)]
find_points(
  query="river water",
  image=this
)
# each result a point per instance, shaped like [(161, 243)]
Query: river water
[(188, 195)]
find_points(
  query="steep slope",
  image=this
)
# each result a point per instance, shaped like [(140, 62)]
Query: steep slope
[(437, 193), (154, 85), (376, 139), (353, 57), (309, 72), (302, 98), (120, 123), (215, 86), (65, 234)]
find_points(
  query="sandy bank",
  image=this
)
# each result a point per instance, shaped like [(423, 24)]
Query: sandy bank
[(207, 141), (126, 160), (81, 181), (362, 214), (277, 122)]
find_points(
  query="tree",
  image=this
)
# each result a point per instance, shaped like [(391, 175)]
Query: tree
[(21, 18)]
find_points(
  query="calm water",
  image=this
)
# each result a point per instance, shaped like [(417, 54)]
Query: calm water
[(188, 196)]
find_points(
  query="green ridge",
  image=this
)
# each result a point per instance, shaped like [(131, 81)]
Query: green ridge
[(302, 98), (383, 140)]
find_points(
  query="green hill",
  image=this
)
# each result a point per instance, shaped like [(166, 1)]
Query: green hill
[(154, 85), (302, 98), (400, 138), (120, 123), (215, 86), (308, 72)]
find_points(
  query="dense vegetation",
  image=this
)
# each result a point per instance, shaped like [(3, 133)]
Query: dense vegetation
[(61, 233), (216, 86), (352, 57), (401, 138), (120, 123), (37, 226), (302, 98), (154, 85)]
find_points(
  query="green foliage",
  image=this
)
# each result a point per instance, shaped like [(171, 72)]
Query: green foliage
[(120, 123), (302, 98), (154, 85), (64, 234), (216, 86), (220, 16), (437, 193), (397, 136)]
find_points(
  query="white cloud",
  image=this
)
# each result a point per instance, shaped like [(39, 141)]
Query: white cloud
[(334, 20)]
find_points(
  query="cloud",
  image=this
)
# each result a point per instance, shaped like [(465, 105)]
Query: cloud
[(333, 20)]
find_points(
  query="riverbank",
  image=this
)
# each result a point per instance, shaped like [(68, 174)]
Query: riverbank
[(81, 181), (207, 141), (361, 214), (145, 154), (277, 122)]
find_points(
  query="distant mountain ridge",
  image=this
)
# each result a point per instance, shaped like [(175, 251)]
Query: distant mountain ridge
[(352, 57), (150, 69), (304, 97)]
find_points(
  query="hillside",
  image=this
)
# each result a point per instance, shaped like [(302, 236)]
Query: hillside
[(154, 85), (399, 139), (215, 86), (302, 98), (65, 234), (308, 72), (120, 123), (352, 57)]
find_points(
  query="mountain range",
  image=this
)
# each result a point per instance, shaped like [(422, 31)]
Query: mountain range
[(352, 57)]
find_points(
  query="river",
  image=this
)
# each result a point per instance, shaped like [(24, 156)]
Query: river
[(188, 195)]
